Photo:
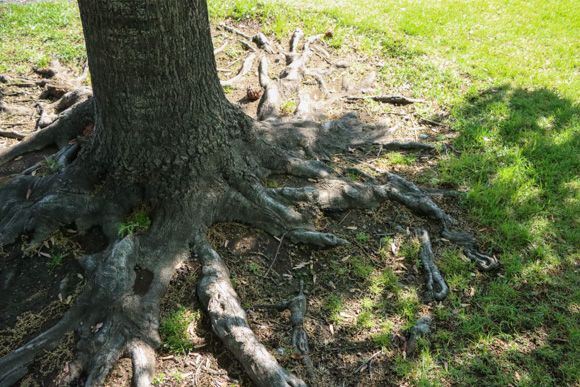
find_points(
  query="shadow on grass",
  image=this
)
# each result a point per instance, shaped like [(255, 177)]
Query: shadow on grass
[(522, 164), (520, 159)]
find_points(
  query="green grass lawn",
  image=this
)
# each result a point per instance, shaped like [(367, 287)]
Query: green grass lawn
[(508, 73)]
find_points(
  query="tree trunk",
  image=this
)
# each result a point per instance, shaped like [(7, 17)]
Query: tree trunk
[(160, 110)]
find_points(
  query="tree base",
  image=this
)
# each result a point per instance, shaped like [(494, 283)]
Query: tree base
[(119, 311)]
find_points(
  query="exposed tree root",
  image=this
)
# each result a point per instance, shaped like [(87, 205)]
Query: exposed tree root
[(70, 124), (11, 134), (435, 283), (119, 312), (469, 244), (231, 325), (15, 110), (421, 328), (297, 308), (243, 71)]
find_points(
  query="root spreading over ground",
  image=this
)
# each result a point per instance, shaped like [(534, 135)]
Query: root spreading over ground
[(117, 313)]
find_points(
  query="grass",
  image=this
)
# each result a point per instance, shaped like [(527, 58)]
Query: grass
[(137, 221), (175, 330), (55, 260), (32, 35), (506, 76)]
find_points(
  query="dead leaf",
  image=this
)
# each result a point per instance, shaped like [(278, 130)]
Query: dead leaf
[(301, 265), (314, 278), (345, 258), (44, 254), (96, 328), (331, 329), (332, 285), (393, 248), (28, 193)]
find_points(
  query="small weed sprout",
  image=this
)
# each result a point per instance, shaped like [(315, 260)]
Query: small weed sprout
[(254, 268), (387, 241), (384, 338), (396, 158), (362, 237), (158, 379), (273, 184), (410, 248), (287, 107), (55, 260), (178, 376), (361, 267), (334, 305), (176, 330), (50, 166), (138, 221)]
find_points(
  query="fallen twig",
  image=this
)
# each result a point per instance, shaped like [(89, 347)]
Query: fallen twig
[(367, 362), (431, 122), (392, 99), (277, 252)]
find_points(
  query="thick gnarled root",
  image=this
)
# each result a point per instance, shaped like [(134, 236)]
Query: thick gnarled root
[(110, 318), (290, 79), (230, 323), (69, 125)]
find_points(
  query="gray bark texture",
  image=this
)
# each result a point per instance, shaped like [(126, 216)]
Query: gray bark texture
[(165, 137)]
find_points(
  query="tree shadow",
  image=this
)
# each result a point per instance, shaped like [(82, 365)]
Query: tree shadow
[(520, 160)]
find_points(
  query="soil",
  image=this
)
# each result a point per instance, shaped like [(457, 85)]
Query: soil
[(35, 289)]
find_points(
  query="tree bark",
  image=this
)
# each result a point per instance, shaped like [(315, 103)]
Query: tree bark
[(161, 113)]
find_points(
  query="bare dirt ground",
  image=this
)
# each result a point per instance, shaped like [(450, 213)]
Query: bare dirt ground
[(36, 290)]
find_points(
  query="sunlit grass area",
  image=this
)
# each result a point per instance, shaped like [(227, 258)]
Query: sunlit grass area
[(33, 34), (505, 76)]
